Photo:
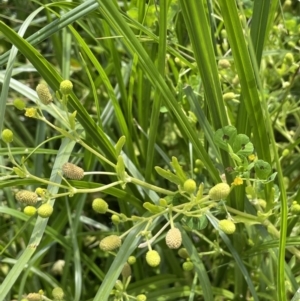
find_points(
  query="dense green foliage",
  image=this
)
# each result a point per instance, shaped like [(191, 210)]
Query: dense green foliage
[(181, 121)]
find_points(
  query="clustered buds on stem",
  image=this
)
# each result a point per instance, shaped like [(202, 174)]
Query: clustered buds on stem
[(174, 238), (72, 171)]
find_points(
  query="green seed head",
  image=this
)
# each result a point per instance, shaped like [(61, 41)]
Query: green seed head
[(126, 271), (45, 210), (99, 205), (224, 64), (131, 260), (187, 266), (44, 94), (72, 171), (219, 191), (153, 258), (110, 243), (227, 226), (174, 238), (26, 197), (58, 293), (66, 87), (30, 210), (228, 96), (182, 252), (7, 136), (19, 104), (141, 297), (115, 219), (189, 186)]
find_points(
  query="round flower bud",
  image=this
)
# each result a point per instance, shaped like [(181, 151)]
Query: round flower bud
[(45, 210), (262, 203), (29, 210), (141, 297), (187, 266), (58, 293), (26, 197), (189, 186), (99, 205), (183, 253), (44, 94), (40, 191), (34, 297), (72, 171), (228, 96), (153, 258), (126, 271), (7, 136), (174, 238), (131, 260), (219, 191), (227, 226), (110, 243), (115, 219), (66, 87), (295, 208), (19, 104)]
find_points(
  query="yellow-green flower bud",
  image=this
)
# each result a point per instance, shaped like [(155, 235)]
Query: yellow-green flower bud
[(153, 258), (285, 152), (115, 219), (45, 210), (174, 238), (262, 203), (26, 197), (40, 191), (29, 210), (7, 136), (289, 58), (183, 253), (19, 104), (119, 285), (131, 260), (99, 205), (219, 191), (44, 94), (141, 297), (224, 64), (295, 208), (189, 186), (58, 293), (228, 96), (126, 271), (72, 171), (187, 266), (227, 226), (34, 297), (110, 243), (66, 87)]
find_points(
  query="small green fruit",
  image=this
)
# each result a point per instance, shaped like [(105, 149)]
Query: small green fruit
[(219, 191), (227, 226), (45, 210), (141, 297), (7, 136), (66, 87), (110, 243), (183, 253), (189, 186), (99, 205), (126, 271), (187, 266), (30, 210), (131, 260), (295, 208), (19, 104), (115, 219), (153, 258), (58, 293)]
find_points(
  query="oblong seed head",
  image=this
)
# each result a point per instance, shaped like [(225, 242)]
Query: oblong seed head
[(219, 191), (153, 258), (126, 271), (227, 226), (99, 205), (45, 210), (174, 238), (110, 243), (26, 197), (72, 171), (44, 94)]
